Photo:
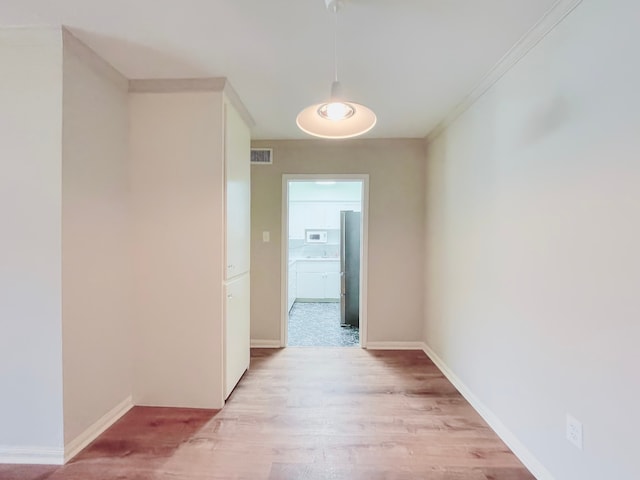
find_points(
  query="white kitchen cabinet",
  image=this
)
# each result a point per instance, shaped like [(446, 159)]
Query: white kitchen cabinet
[(237, 144), (237, 332), (343, 206), (332, 213), (190, 154), (318, 265), (297, 220), (316, 215), (237, 193), (332, 285), (318, 280), (310, 285)]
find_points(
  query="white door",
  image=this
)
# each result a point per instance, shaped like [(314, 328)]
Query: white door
[(237, 343), (238, 193), (237, 340)]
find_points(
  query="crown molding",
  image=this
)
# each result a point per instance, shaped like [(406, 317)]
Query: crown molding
[(72, 44), (551, 19), (177, 85), (234, 99), (181, 85)]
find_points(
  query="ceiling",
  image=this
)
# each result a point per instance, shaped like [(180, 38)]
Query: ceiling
[(411, 61)]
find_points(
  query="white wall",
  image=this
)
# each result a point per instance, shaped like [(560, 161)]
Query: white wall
[(533, 227), (177, 190), (396, 232), (30, 244), (70, 288), (312, 192), (96, 248)]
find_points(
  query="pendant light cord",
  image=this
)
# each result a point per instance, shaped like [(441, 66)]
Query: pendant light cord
[(335, 42)]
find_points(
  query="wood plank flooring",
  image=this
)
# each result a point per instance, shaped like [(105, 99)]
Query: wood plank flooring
[(305, 413)]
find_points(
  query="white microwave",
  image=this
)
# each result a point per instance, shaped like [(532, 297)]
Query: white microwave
[(315, 236)]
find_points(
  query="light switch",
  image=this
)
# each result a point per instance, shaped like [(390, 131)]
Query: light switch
[(266, 237)]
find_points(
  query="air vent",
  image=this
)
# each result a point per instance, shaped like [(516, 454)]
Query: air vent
[(262, 156)]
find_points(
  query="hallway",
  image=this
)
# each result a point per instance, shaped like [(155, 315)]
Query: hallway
[(312, 414)]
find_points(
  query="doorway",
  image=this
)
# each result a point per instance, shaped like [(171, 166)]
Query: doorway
[(324, 246)]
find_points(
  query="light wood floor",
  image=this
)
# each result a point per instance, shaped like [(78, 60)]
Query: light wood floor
[(305, 413)]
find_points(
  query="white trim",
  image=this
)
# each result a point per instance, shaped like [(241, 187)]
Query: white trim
[(517, 447), (395, 346), (174, 85), (178, 85), (364, 238), (284, 263), (556, 14), (31, 455), (364, 267), (90, 434), (236, 101), (265, 343)]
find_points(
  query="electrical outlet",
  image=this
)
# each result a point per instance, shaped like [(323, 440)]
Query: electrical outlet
[(574, 431)]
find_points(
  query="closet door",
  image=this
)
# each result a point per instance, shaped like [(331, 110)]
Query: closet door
[(238, 239), (236, 332), (238, 193)]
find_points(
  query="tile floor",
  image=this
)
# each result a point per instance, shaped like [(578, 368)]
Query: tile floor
[(318, 325)]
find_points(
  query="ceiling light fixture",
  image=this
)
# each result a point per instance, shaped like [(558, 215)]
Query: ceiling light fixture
[(336, 118)]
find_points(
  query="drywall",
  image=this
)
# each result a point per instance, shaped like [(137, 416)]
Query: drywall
[(176, 145), (96, 241), (396, 233), (533, 227), (314, 192), (30, 245)]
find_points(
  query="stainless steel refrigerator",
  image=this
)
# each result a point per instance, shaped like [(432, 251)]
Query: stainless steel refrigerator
[(350, 268)]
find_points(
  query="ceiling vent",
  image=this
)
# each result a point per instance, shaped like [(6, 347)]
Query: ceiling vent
[(262, 156)]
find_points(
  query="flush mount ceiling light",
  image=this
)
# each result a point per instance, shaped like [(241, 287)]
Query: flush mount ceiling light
[(337, 117)]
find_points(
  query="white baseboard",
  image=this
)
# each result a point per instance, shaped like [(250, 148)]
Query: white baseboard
[(265, 343), (395, 346), (90, 434), (506, 435), (32, 455)]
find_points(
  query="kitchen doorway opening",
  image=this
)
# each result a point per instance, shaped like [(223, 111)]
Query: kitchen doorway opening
[(324, 252)]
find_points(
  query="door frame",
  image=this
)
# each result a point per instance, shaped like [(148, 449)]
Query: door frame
[(364, 252)]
